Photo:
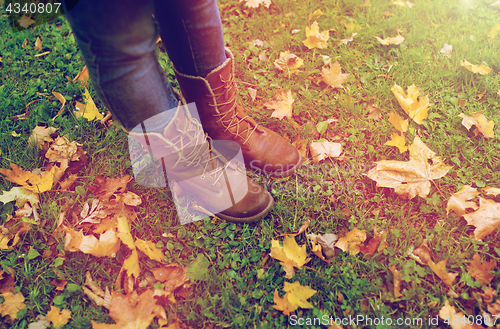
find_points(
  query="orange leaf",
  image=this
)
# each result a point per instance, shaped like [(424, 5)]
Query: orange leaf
[(12, 304), (82, 76), (34, 182), (440, 270), (481, 271), (396, 275), (282, 104), (352, 241), (57, 317), (333, 76), (290, 255)]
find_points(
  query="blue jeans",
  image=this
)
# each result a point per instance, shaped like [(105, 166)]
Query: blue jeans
[(117, 40)]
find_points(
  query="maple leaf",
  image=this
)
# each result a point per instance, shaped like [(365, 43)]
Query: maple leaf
[(40, 136), (61, 149), (352, 241), (486, 219), (282, 104), (446, 50), (12, 304), (459, 201), (333, 76), (481, 69), (396, 279), (374, 244), (298, 295), (415, 108), (282, 304), (257, 3), (374, 112), (7, 280), (325, 149), (448, 313), (104, 188), (58, 317), (315, 14), (88, 110), (34, 182), (290, 255), (107, 245), (413, 177), (398, 141), (315, 39), (288, 63), (391, 40), (20, 195), (25, 21), (89, 213), (481, 271), (132, 311), (398, 122), (440, 270), (481, 124)]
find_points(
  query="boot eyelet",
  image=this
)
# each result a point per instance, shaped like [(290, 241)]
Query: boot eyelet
[(202, 177)]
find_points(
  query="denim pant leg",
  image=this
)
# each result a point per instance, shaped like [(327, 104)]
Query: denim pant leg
[(117, 40), (191, 30)]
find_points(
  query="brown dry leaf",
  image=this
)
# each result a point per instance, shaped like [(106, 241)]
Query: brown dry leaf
[(374, 243), (415, 108), (7, 280), (422, 254), (488, 295), (131, 199), (301, 229), (491, 190), (132, 311), (448, 313), (62, 100), (38, 44), (95, 293), (481, 69), (481, 271), (396, 278), (104, 188), (460, 201), (282, 104), (481, 124), (316, 247), (398, 122), (440, 270), (323, 150), (486, 219), (413, 177), (391, 40), (315, 15), (290, 255), (172, 276), (333, 76), (315, 39), (58, 317), (83, 76), (62, 149), (88, 110), (288, 63), (37, 183), (40, 136), (352, 241), (374, 112), (12, 304), (11, 231), (25, 21), (252, 92), (301, 146), (257, 3), (398, 141)]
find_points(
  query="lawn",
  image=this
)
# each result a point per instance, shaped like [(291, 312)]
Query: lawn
[(398, 229)]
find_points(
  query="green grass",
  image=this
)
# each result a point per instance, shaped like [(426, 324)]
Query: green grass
[(238, 291)]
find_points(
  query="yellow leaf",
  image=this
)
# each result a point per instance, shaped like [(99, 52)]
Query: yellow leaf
[(486, 219), (288, 63), (398, 122), (131, 264), (12, 304), (315, 39), (38, 44), (88, 110), (282, 304), (352, 241), (298, 295), (398, 141), (282, 104), (315, 15), (124, 232), (459, 201), (21, 195), (494, 31), (333, 76), (482, 125), (37, 183), (413, 177), (391, 40), (149, 249), (481, 69), (440, 270), (57, 317), (290, 255), (415, 108)]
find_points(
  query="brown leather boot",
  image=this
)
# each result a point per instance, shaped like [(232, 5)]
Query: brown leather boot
[(219, 185), (215, 97)]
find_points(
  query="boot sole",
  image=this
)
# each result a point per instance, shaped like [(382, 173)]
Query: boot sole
[(251, 219)]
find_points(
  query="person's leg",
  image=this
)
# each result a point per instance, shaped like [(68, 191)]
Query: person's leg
[(191, 31), (117, 40)]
